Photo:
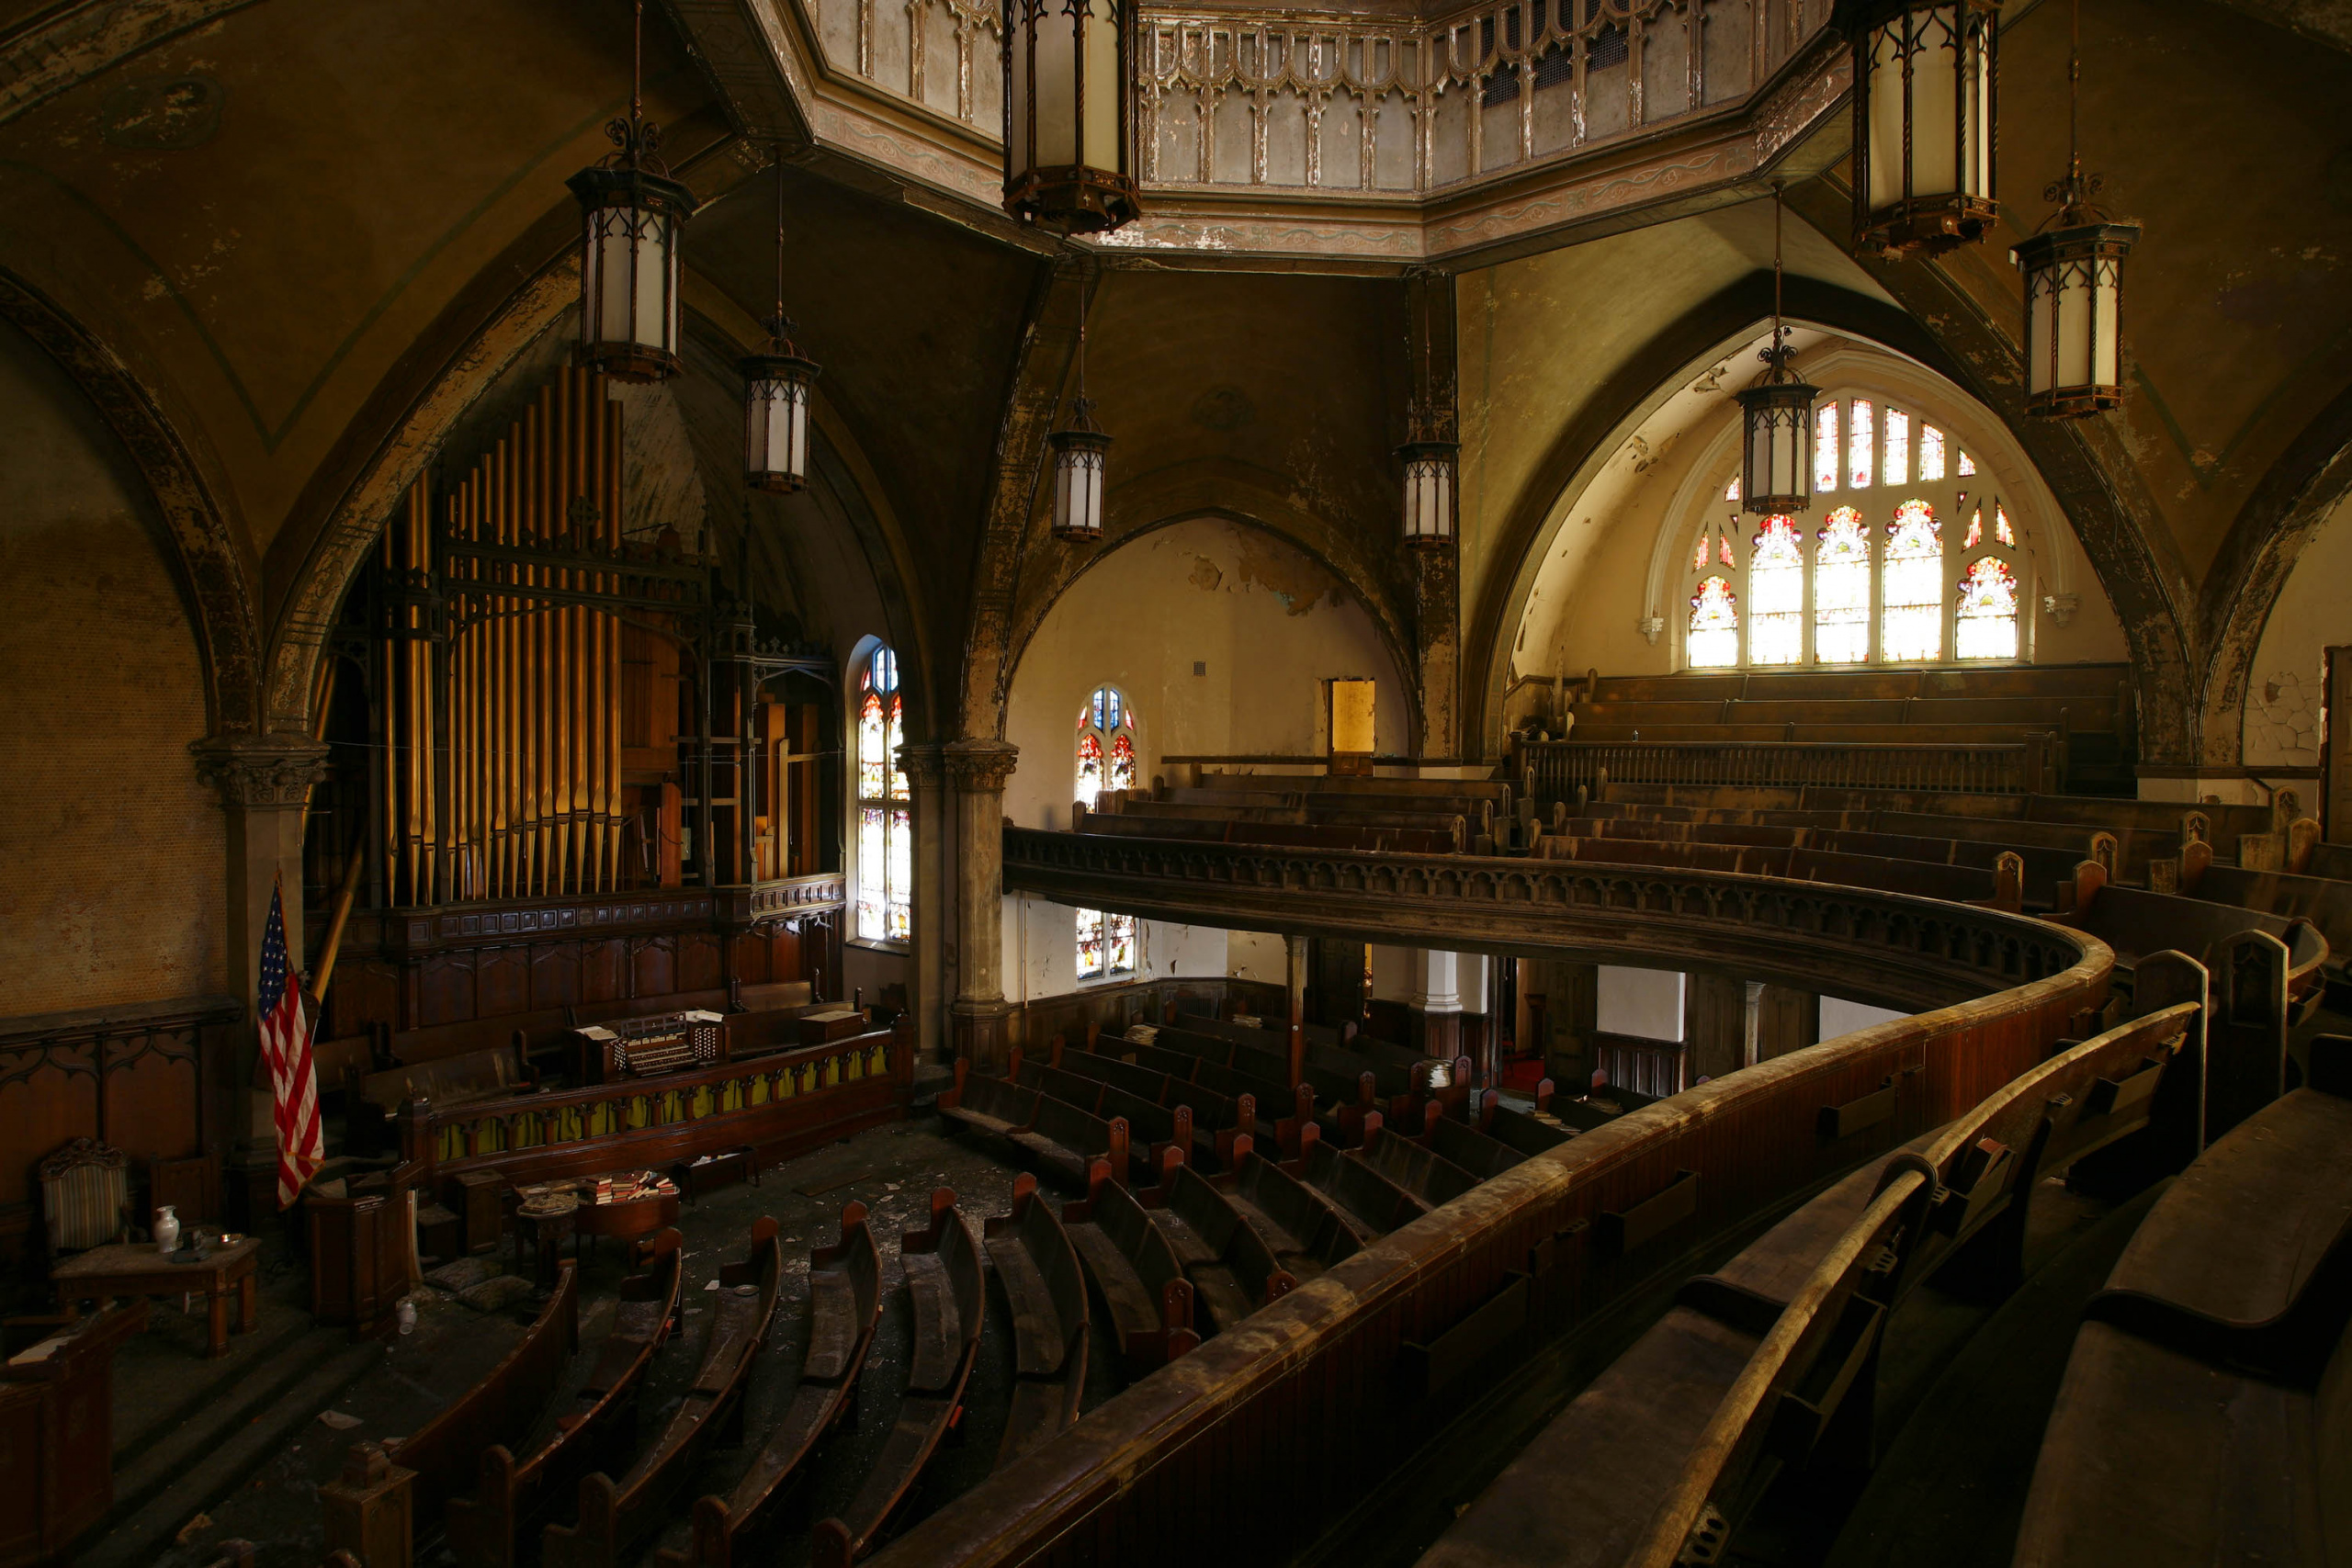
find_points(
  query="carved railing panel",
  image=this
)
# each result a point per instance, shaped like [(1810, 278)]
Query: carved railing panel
[(1555, 770), (943, 55)]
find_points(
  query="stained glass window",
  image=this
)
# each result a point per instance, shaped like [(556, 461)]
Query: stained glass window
[(1122, 762), (1731, 490), (1699, 555), (1825, 449), (1726, 540), (1106, 945), (1089, 768), (1776, 595), (1090, 944), (1841, 590), (1967, 463), (1861, 428), (1975, 530), (1898, 446), (1714, 625), (1931, 453), (1986, 625), (884, 830), (1106, 760), (1911, 617), (2001, 529)]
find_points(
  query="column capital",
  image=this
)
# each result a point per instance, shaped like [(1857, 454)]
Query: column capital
[(922, 764), (261, 773), (980, 766)]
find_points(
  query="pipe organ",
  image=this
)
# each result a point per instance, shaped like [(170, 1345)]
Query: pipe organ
[(563, 711)]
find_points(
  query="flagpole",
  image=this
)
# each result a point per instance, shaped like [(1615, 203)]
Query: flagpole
[(323, 969)]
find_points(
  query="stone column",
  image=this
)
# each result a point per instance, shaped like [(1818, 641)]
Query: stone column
[(980, 1026), (1714, 1025), (926, 773), (1436, 1003), (265, 782), (1295, 975), (1786, 1021)]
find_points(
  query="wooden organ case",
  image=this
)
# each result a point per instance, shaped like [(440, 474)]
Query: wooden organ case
[(586, 785)]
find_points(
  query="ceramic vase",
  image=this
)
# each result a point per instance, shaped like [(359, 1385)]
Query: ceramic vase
[(167, 1230)]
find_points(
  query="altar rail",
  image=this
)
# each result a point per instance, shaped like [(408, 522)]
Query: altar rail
[(1891, 950), (1555, 769), (775, 1105), (1260, 1439)]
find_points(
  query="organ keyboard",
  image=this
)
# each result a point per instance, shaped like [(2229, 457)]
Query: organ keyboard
[(646, 1047)]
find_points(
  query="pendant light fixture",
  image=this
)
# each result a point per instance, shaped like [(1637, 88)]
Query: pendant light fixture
[(776, 386), (1081, 456), (1925, 75), (1776, 416), (1070, 162), (2073, 283), (628, 264), (1429, 452)]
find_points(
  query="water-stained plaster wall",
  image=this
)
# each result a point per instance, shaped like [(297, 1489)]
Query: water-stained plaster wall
[(2283, 691), (1264, 625), (116, 887)]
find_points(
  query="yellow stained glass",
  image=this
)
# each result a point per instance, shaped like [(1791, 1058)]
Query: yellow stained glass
[(1911, 616)]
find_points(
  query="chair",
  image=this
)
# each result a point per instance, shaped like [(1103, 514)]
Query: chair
[(85, 1197)]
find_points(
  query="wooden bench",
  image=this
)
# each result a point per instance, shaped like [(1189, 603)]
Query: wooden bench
[(372, 1101), (1217, 1118), (445, 1453), (1463, 1145), (1300, 1227), (1232, 1267), (1134, 1271), (1668, 1452), (2202, 1417), (1045, 1292), (1369, 1202), (1414, 1167), (844, 1309), (615, 1515), (488, 1528), (944, 1280)]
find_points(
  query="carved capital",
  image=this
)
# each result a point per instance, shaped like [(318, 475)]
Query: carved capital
[(261, 773), (2061, 607), (979, 767), (924, 766), (1650, 625)]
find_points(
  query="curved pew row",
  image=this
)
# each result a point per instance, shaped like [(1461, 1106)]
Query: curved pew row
[(1037, 1267), (489, 1529), (1570, 1231), (944, 1281), (615, 1515), (1232, 1267), (1664, 1455), (1135, 1273), (844, 1308), (2204, 1414), (501, 1410)]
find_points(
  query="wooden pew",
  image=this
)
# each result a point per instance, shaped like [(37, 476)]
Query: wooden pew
[(2202, 1416), (372, 1101), (615, 1515), (1464, 1146), (1761, 1363), (1368, 1201), (1233, 1269), (1302, 1228), (1063, 1138), (1037, 1267), (1414, 1167), (1134, 1271), (1529, 1135), (844, 1308), (1217, 1118), (944, 1279), (445, 1453), (488, 1530)]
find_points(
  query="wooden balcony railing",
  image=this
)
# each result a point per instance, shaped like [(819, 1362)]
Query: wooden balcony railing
[(1555, 769)]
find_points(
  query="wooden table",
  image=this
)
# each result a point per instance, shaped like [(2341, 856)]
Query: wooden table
[(627, 1222), (130, 1270)]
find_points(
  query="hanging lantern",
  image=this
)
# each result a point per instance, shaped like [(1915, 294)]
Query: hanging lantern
[(1430, 459), (1776, 417), (2074, 287), (633, 211), (1924, 77), (776, 387), (1081, 457), (1070, 162)]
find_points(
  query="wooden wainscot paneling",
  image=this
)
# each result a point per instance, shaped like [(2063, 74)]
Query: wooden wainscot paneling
[(502, 981), (555, 974)]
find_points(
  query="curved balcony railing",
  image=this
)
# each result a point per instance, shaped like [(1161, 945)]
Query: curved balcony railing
[(1272, 1431)]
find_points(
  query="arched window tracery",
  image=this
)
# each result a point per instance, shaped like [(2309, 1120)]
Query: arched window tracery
[(1108, 944), (1880, 580), (885, 832)]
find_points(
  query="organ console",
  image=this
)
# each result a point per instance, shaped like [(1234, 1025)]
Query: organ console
[(644, 1047)]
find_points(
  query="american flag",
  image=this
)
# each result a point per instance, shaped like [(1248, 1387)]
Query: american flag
[(286, 1046)]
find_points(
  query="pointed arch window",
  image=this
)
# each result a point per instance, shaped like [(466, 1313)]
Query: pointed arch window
[(1986, 623), (1108, 944), (1776, 595), (885, 835), (1911, 620)]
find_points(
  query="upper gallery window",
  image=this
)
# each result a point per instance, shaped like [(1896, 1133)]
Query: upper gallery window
[(1912, 562), (884, 834)]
